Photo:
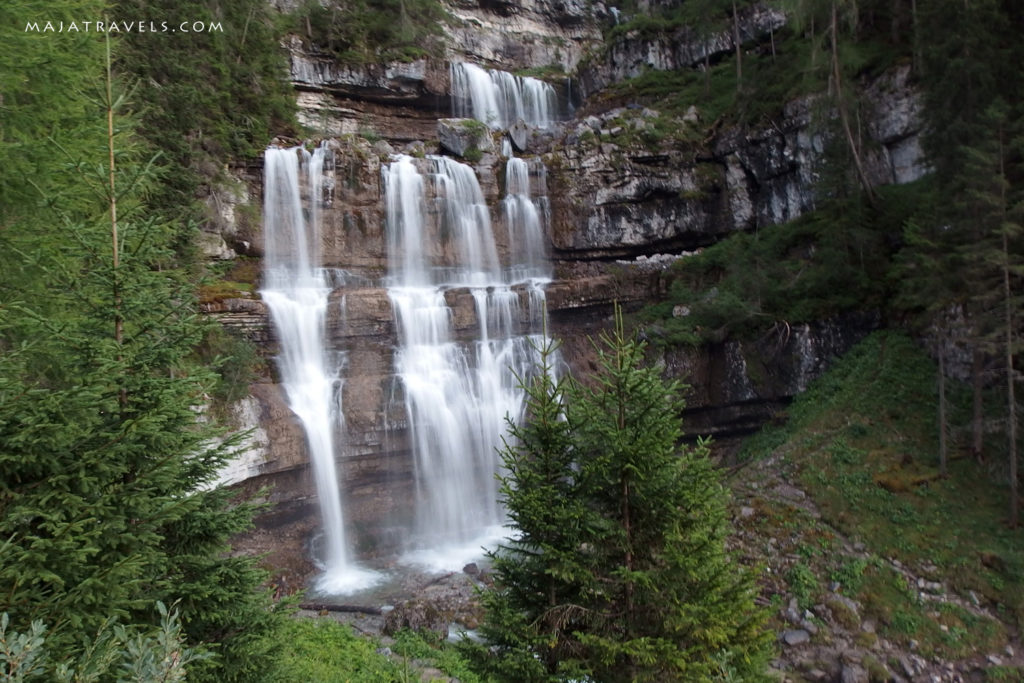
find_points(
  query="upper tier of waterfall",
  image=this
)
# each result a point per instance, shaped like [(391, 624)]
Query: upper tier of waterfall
[(499, 98)]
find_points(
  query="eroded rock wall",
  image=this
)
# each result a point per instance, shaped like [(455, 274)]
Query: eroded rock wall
[(622, 208)]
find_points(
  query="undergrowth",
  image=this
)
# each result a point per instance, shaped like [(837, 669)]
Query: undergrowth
[(862, 442), (325, 651), (831, 261)]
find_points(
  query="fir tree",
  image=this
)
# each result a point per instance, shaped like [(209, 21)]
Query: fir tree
[(532, 613), (620, 571), (106, 498)]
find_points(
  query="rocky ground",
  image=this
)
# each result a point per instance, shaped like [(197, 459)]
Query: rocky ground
[(822, 636), (837, 638)]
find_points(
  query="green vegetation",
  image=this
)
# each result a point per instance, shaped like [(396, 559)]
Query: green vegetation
[(620, 570), (362, 32), (107, 502), (751, 86), (425, 646), (862, 441), (325, 651), (114, 651), (835, 260), (551, 72), (204, 97)]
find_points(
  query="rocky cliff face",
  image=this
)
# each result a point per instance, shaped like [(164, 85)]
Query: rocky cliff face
[(622, 208)]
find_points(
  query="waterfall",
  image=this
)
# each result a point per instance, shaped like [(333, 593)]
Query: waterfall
[(499, 98), (526, 221), (457, 393), (296, 292)]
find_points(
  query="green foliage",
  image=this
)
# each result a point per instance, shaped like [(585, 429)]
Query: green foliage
[(974, 142), (361, 31), (850, 574), (107, 501), (619, 571), (235, 361), (803, 584), (325, 651), (832, 261), (425, 646), (203, 97), (114, 651)]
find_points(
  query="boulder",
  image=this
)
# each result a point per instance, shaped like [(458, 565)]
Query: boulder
[(416, 615), (460, 135)]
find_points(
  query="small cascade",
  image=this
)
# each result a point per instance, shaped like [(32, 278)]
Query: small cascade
[(526, 221), (457, 394), (296, 292), (499, 98)]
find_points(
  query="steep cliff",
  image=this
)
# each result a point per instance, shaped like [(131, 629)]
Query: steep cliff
[(632, 189)]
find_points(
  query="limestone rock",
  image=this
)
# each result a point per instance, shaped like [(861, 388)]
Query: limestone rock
[(796, 637), (519, 134), (853, 673), (213, 246), (458, 136)]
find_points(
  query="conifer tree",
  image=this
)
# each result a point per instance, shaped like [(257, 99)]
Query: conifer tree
[(106, 496), (992, 262), (534, 609), (623, 574)]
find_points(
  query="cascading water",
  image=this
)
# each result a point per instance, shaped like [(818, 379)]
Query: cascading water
[(526, 221), (296, 292), (457, 395), (499, 98)]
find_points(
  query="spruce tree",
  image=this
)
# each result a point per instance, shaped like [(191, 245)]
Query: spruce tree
[(107, 502), (674, 603), (992, 262), (532, 612), (620, 571)]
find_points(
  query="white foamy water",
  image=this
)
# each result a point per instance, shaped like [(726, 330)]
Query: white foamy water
[(458, 393), (499, 98), (296, 293)]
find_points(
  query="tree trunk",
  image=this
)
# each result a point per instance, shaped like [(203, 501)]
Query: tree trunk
[(739, 48), (115, 278), (1011, 401), (977, 405), (915, 38), (844, 116), (943, 448)]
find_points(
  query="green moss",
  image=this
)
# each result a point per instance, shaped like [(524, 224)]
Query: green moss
[(551, 72), (219, 290), (877, 673), (474, 127), (1009, 674)]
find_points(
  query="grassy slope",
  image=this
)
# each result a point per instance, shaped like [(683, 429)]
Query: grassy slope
[(862, 444)]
